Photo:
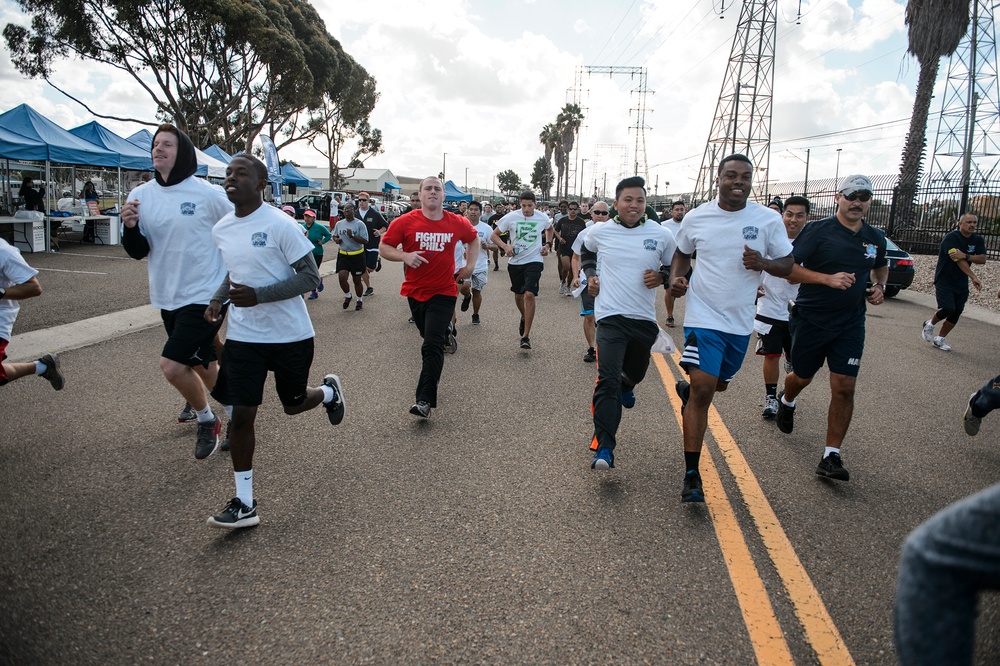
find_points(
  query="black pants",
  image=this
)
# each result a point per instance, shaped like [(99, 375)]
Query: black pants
[(433, 320), (623, 346)]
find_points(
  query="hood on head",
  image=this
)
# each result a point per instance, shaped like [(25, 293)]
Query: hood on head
[(186, 164)]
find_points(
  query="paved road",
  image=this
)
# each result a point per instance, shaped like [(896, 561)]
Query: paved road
[(480, 535)]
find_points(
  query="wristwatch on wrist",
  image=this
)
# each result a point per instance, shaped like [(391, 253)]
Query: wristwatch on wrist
[(3, 292), (880, 286)]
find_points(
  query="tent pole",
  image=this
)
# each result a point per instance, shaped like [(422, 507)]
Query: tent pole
[(48, 193)]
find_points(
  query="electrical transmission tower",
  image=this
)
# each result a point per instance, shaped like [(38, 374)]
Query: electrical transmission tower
[(968, 135), (742, 121), (641, 91)]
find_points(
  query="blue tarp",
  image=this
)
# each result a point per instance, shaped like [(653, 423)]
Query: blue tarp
[(143, 138), (132, 157), (452, 193), (16, 147), (60, 146), (218, 153), (291, 174), (390, 186), (207, 165)]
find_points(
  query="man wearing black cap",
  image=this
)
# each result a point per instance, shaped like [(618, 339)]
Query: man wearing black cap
[(834, 258), (169, 220)]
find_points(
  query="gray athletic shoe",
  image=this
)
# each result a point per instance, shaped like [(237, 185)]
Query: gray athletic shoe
[(52, 373), (970, 422), (187, 414)]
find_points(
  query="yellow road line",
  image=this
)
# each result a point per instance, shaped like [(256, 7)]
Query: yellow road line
[(766, 636), (819, 628)]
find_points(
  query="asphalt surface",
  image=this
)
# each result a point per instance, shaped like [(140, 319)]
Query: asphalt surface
[(479, 535)]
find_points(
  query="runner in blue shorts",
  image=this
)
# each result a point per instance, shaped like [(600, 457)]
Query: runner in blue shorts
[(718, 320)]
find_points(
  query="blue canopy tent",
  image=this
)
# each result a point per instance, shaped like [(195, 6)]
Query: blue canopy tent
[(291, 175), (452, 193), (389, 187), (132, 157), (207, 165), (59, 145), (219, 154), (16, 147)]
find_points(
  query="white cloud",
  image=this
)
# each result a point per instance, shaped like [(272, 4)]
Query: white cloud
[(580, 27)]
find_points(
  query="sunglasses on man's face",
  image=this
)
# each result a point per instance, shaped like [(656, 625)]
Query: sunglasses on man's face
[(863, 196), (362, 199), (599, 212)]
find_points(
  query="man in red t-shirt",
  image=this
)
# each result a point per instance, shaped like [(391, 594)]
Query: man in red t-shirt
[(424, 239)]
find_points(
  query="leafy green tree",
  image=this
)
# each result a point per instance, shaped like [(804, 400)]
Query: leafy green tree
[(509, 182), (542, 176), (344, 115), (221, 70), (935, 28)]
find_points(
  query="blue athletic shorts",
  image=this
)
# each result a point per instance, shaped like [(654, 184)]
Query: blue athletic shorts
[(714, 352)]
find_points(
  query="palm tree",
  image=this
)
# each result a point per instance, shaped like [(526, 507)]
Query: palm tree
[(935, 28), (549, 138), (568, 121)]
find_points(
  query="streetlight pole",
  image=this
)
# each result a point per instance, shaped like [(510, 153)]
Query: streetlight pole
[(836, 174), (466, 179), (444, 167), (583, 165)]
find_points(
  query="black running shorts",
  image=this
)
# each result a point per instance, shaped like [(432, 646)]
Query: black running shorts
[(245, 365), (190, 338), (841, 349), (525, 277), (352, 263)]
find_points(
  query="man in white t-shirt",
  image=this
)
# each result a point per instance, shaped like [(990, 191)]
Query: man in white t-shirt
[(169, 221), (633, 254), (774, 338), (17, 283), (472, 289), (673, 223), (527, 247), (732, 237), (601, 214), (270, 265)]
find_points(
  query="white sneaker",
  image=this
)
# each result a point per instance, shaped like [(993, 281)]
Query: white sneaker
[(770, 407), (941, 344), (928, 331)]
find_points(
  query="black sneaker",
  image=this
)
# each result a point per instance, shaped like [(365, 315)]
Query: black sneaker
[(525, 343), (207, 441), (368, 292), (336, 407), (236, 515), (520, 328), (422, 408), (692, 491), (832, 467), (590, 356), (465, 303), (785, 417), (683, 390), (52, 373), (347, 301), (475, 320), (225, 442), (187, 414)]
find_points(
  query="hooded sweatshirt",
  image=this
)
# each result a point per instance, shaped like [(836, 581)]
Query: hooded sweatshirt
[(176, 217)]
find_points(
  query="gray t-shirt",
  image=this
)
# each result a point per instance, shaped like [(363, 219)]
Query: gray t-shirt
[(358, 228)]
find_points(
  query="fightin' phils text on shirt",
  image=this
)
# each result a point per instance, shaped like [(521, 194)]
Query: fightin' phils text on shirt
[(433, 241)]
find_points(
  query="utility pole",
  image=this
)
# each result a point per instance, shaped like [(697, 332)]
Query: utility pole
[(740, 125), (836, 174), (805, 186), (444, 168)]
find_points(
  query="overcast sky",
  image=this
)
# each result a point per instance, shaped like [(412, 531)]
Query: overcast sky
[(478, 79)]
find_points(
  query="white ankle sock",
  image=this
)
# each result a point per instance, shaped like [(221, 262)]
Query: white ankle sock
[(328, 394), (830, 450), (786, 403), (40, 368), (205, 415), (244, 486)]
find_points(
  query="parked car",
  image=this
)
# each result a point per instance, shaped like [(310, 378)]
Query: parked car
[(312, 201), (901, 269)]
